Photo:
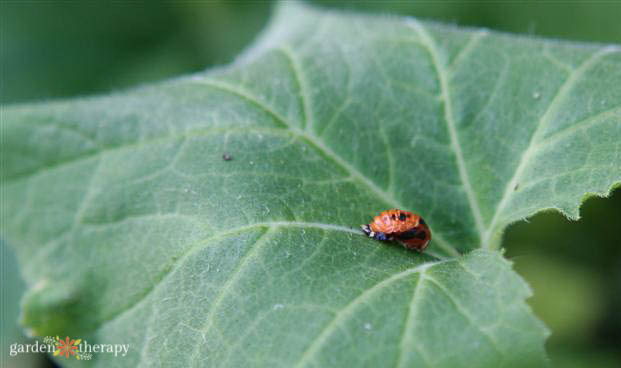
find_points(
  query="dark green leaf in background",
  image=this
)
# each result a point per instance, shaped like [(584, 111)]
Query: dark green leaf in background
[(131, 228)]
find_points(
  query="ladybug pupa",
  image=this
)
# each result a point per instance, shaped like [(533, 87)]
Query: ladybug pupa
[(405, 227)]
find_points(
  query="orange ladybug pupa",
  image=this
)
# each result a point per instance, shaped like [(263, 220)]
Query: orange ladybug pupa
[(405, 227)]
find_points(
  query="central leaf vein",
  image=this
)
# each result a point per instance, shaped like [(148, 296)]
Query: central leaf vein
[(443, 76)]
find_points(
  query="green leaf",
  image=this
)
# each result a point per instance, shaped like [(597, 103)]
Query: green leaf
[(131, 228)]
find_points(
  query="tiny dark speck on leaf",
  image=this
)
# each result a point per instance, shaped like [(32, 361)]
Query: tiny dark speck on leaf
[(516, 186), (226, 157)]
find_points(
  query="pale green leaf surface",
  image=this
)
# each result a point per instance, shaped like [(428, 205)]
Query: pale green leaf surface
[(130, 228)]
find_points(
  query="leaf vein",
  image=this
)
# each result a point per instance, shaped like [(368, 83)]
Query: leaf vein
[(406, 335), (197, 246), (472, 43), (88, 194), (309, 124), (494, 93), (443, 77), (348, 309), (465, 313), (525, 159), (232, 280), (580, 125), (142, 143)]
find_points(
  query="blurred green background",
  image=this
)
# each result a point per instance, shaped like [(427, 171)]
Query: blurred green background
[(58, 49)]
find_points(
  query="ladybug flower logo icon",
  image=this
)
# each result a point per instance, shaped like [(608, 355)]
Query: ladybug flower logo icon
[(66, 347)]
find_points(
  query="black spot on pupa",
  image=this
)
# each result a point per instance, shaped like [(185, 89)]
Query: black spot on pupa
[(408, 234), (402, 217), (422, 222), (422, 235), (394, 217)]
